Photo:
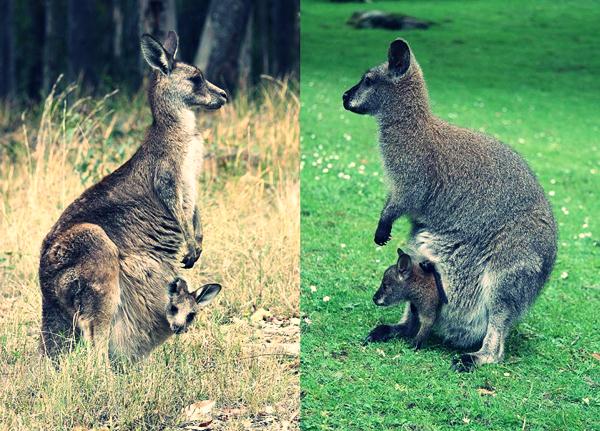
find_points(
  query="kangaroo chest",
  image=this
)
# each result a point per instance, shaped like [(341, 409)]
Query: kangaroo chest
[(190, 170)]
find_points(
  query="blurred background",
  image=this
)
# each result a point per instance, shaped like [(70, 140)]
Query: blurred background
[(97, 42)]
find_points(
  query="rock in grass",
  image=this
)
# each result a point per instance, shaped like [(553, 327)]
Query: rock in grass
[(386, 20)]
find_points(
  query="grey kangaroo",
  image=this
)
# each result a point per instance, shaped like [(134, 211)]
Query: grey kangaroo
[(477, 210), (106, 263), (415, 283)]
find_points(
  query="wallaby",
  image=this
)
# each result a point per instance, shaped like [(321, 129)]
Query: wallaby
[(183, 305), (477, 210), (105, 263), (415, 283)]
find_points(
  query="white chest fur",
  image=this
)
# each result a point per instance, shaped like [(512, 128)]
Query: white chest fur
[(193, 158)]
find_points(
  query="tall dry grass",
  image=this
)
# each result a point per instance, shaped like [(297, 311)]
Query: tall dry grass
[(249, 197)]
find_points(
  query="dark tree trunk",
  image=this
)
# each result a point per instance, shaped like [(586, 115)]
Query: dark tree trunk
[(156, 17), (82, 48), (7, 50), (285, 41), (52, 46), (219, 49)]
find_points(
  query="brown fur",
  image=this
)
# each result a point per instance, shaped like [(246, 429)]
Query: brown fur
[(106, 263), (406, 281)]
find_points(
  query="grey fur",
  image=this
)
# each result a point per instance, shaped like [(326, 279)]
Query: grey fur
[(477, 210), (105, 264)]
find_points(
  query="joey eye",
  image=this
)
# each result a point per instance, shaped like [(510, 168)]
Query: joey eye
[(174, 309), (197, 80), (190, 317)]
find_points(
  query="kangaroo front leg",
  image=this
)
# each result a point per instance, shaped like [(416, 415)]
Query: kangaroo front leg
[(171, 197), (426, 324), (391, 212), (198, 235)]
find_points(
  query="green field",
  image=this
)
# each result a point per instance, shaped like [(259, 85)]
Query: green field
[(526, 72)]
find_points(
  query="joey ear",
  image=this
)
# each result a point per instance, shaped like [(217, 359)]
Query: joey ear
[(171, 43), (207, 293), (404, 265), (398, 57), (155, 55)]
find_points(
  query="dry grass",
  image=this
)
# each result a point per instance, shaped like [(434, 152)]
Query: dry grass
[(250, 202)]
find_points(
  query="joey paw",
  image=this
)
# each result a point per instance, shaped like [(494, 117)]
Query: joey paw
[(379, 334)]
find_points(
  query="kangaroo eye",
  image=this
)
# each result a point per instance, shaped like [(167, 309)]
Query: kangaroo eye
[(190, 317), (368, 80), (174, 309)]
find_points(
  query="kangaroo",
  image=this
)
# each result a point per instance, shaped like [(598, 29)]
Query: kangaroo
[(183, 305), (477, 211), (105, 263), (416, 284)]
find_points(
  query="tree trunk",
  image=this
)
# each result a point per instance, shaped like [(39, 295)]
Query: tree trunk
[(7, 50), (156, 17), (81, 41), (219, 49), (51, 46), (285, 43)]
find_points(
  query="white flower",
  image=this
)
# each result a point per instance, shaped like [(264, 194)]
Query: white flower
[(343, 245), (313, 288), (326, 299), (564, 275), (551, 193), (565, 210)]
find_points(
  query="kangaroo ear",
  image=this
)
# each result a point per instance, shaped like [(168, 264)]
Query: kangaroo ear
[(155, 55), (177, 287), (207, 293), (398, 57), (171, 43), (404, 265)]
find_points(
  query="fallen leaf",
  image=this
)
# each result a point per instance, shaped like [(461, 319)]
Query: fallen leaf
[(596, 356), (485, 391), (199, 413)]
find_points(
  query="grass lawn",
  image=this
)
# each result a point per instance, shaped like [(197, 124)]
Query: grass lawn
[(525, 72)]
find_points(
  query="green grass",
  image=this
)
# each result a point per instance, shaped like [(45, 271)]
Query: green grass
[(525, 72)]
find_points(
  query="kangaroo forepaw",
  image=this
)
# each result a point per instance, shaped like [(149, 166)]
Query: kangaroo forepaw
[(465, 364), (191, 257), (382, 235)]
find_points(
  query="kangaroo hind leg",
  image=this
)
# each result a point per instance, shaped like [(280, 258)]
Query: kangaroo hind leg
[(91, 293)]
